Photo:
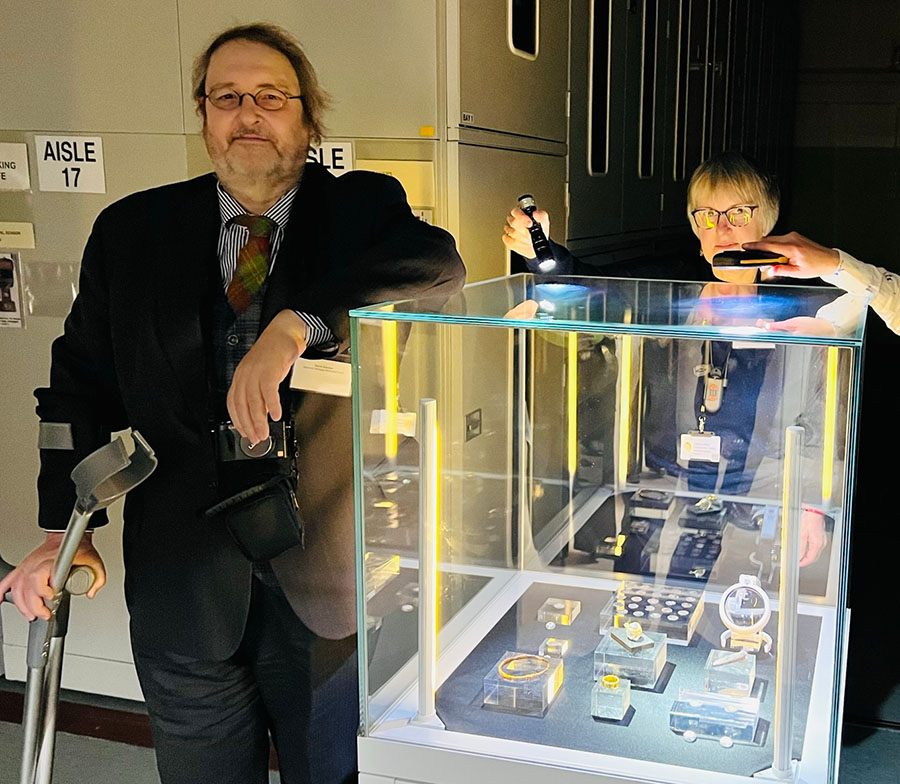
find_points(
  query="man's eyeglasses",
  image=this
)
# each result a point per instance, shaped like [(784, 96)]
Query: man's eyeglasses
[(708, 218), (269, 98)]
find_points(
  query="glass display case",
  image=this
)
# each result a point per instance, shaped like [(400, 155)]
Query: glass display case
[(615, 518)]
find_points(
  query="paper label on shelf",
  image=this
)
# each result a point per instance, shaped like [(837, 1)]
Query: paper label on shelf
[(739, 344), (701, 446), (325, 376), (406, 422), (16, 235), (14, 167), (73, 164)]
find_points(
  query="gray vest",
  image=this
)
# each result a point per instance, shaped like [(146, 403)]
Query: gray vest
[(233, 337)]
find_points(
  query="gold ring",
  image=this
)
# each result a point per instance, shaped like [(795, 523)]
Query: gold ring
[(610, 682), (505, 664)]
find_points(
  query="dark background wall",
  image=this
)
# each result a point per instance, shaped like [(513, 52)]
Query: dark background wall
[(844, 186)]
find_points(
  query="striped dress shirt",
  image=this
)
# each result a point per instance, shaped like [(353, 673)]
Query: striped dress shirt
[(232, 238)]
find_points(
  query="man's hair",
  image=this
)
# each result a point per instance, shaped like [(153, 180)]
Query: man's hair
[(314, 99), (733, 170)]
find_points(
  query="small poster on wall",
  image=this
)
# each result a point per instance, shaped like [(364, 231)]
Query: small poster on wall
[(10, 290)]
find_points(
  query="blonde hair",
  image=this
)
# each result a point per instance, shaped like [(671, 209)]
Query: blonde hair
[(733, 170), (314, 99)]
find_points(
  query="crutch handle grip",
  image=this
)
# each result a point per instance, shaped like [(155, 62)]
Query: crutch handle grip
[(81, 578)]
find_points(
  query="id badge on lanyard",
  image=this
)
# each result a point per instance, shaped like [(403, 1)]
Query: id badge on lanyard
[(702, 444)]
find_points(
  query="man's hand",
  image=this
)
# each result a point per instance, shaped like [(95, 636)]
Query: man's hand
[(807, 259), (812, 536), (515, 233), (30, 580), (253, 395)]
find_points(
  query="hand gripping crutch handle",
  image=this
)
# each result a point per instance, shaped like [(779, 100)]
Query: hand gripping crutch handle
[(81, 578)]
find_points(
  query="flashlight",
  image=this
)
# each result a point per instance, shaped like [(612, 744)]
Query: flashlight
[(542, 250)]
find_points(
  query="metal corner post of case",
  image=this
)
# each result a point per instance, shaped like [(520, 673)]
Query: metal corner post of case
[(782, 765), (429, 523)]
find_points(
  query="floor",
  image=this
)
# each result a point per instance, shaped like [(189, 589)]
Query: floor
[(868, 757), (80, 759)]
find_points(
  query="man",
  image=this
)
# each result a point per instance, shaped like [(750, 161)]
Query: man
[(192, 309)]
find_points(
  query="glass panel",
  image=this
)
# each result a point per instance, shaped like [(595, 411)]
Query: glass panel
[(647, 130), (631, 479), (598, 98), (523, 16), (744, 312)]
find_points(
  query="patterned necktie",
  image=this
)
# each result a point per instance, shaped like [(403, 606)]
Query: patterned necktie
[(252, 261)]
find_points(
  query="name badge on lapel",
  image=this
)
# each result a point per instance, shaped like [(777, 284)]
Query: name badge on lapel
[(325, 376)]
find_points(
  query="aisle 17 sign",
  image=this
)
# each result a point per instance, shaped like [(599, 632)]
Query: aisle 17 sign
[(70, 163)]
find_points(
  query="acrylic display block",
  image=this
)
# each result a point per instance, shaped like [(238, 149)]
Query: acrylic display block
[(641, 667), (729, 672), (553, 646), (654, 504), (523, 683), (610, 698), (561, 611), (715, 716), (674, 612)]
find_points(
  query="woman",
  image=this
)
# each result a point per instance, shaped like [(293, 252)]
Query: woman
[(730, 202)]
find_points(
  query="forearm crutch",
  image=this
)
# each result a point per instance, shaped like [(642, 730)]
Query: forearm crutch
[(101, 478)]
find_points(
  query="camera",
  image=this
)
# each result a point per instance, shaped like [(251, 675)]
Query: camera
[(231, 445)]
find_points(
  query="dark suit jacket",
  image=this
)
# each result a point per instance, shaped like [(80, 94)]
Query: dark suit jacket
[(136, 353)]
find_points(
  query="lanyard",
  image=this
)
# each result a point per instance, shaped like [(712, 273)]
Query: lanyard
[(715, 381)]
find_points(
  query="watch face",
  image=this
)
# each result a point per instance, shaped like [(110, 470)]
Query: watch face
[(745, 607)]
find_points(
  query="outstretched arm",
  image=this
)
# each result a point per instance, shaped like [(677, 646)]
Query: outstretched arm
[(808, 259)]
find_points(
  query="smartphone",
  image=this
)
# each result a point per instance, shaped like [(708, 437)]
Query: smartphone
[(742, 259)]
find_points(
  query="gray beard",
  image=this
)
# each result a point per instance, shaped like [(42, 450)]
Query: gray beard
[(279, 176)]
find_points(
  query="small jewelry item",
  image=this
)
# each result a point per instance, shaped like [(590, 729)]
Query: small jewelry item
[(707, 504), (523, 667), (733, 659), (610, 682), (634, 631)]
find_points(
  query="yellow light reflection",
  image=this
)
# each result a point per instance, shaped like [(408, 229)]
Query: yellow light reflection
[(831, 393), (624, 407), (572, 400), (389, 363)]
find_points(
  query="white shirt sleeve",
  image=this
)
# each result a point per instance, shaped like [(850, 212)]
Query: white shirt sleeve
[(881, 286)]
